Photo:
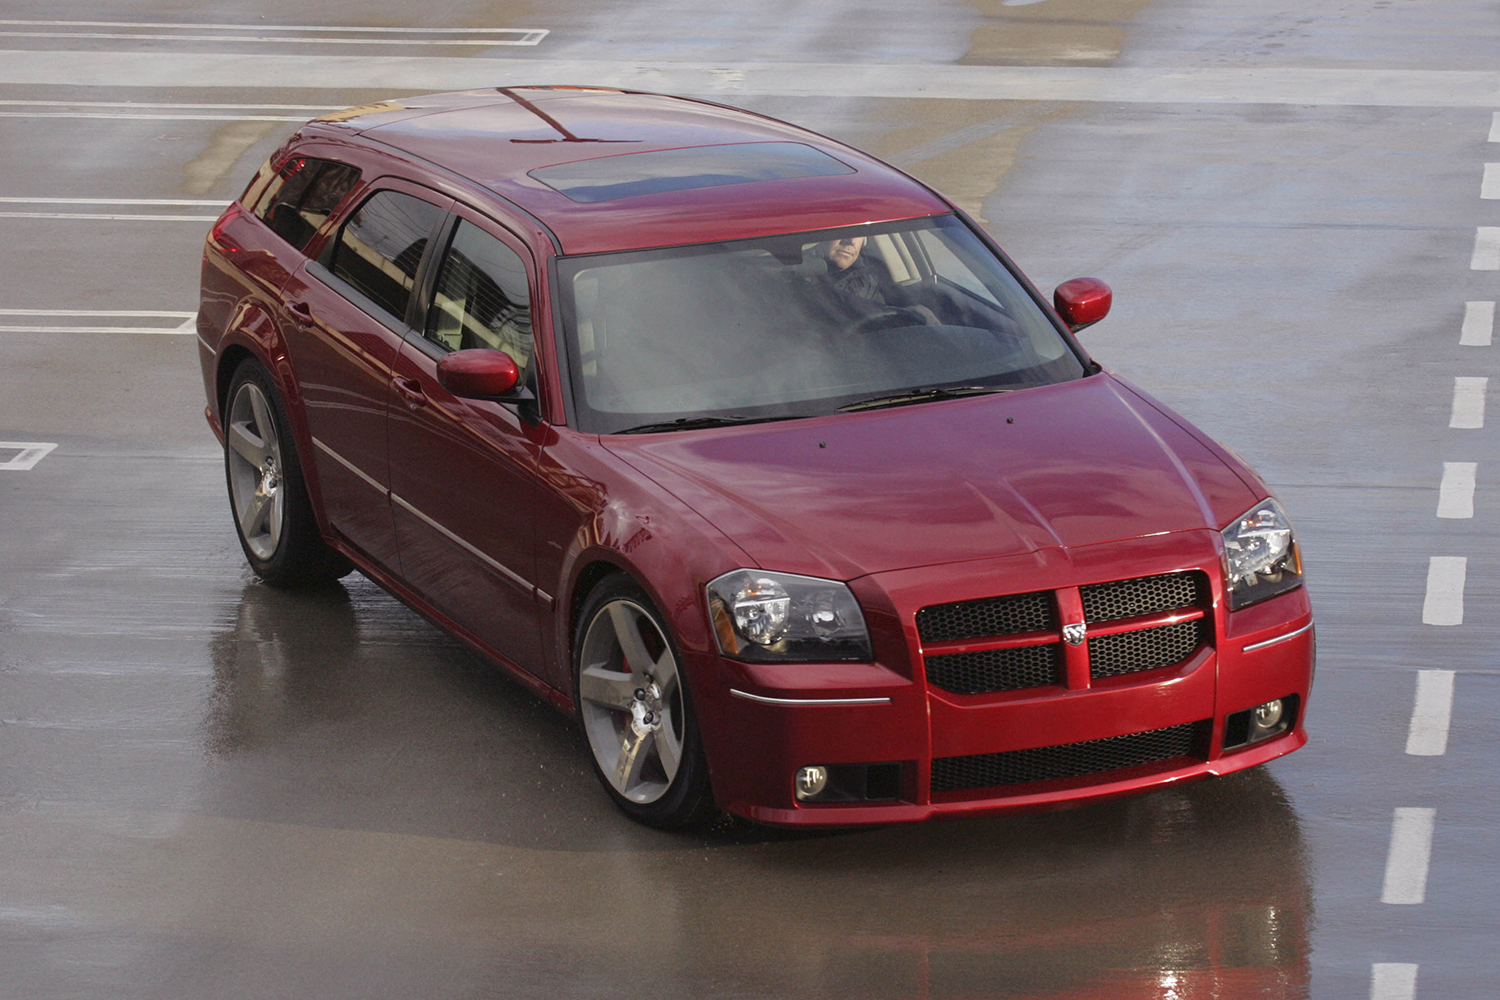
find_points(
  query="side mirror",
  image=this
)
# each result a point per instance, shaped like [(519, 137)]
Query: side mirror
[(1082, 302), (478, 372)]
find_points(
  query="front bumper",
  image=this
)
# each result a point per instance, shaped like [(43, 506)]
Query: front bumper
[(1082, 738)]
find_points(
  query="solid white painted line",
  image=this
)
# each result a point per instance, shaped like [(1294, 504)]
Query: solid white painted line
[(327, 28), (1444, 604), (214, 203), (1489, 187), (1468, 402), (109, 218), (1479, 324), (154, 117), (1495, 127), (31, 452), (1431, 714), (172, 331), (529, 39), (1486, 249), (1411, 852), (1316, 86), (170, 314), (138, 105), (1393, 981), (1456, 492)]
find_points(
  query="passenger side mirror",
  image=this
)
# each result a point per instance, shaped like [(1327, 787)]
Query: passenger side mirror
[(478, 372), (1082, 302)]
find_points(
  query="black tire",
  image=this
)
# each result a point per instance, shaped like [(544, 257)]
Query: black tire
[(645, 704), (272, 514)]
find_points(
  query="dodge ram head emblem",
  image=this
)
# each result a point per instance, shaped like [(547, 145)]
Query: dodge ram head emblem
[(1075, 633)]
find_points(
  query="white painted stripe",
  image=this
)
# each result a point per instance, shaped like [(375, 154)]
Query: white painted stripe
[(1393, 981), (1468, 402), (1317, 86), (1486, 249), (530, 39), (330, 28), (1495, 127), (155, 117), (1479, 324), (1410, 854), (139, 105), (97, 312), (1489, 187), (1445, 590), (214, 202), (31, 452), (1456, 492), (807, 701), (102, 217), (1431, 714), (169, 332)]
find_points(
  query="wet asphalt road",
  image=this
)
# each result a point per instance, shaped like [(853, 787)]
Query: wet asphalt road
[(209, 788)]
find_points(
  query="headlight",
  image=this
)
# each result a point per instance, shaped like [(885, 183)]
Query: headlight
[(782, 618), (1260, 555)]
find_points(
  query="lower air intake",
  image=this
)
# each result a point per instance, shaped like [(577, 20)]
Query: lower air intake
[(1069, 760)]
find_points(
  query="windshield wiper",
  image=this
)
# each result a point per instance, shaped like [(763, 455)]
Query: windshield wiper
[(923, 395), (695, 423)]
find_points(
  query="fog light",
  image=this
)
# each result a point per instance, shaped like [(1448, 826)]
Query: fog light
[(1267, 715), (811, 781)]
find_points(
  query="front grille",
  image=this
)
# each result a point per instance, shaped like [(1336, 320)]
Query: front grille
[(1146, 649), (1070, 760), (987, 617), (996, 669), (1144, 595)]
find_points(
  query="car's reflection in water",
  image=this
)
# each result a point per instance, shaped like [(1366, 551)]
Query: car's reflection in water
[(340, 709)]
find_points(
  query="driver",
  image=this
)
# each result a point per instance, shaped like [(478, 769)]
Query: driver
[(849, 274)]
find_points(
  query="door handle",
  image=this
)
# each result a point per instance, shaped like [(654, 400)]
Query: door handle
[(301, 313), (411, 391)]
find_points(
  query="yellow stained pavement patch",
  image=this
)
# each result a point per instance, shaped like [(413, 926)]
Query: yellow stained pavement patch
[(1055, 33), (225, 148)]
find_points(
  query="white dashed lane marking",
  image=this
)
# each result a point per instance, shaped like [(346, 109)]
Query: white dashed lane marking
[(1444, 604), (1486, 249), (1411, 851), (1479, 324), (1393, 981), (1431, 714), (1456, 492), (1468, 402), (27, 454), (1489, 188), (181, 205)]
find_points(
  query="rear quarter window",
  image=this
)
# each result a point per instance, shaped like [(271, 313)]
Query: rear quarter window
[(301, 195)]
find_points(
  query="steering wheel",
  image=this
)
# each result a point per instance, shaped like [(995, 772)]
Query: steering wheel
[(895, 316)]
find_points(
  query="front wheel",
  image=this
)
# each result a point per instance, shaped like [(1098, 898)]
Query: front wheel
[(635, 710), (272, 512)]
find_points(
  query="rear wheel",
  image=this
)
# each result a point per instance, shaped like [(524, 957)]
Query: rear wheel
[(635, 710), (272, 512)]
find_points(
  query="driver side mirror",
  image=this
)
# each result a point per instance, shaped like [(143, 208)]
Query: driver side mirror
[(1082, 302), (478, 372)]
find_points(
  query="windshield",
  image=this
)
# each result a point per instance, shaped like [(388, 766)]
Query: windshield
[(799, 325)]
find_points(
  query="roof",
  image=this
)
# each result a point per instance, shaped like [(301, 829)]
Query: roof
[(569, 156)]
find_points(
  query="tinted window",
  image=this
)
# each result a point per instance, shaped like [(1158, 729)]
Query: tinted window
[(482, 299), (301, 195), (378, 250)]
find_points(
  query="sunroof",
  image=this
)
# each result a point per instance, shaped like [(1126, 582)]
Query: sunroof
[(631, 174)]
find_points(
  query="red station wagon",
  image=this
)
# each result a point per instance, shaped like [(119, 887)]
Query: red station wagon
[(747, 450)]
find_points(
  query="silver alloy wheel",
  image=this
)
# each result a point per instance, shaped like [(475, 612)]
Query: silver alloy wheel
[(630, 697), (255, 470)]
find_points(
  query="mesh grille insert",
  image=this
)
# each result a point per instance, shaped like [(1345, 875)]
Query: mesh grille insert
[(996, 669), (1070, 760), (1144, 595), (1146, 649), (988, 616)]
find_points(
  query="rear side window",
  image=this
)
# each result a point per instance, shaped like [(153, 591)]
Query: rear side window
[(378, 250), (301, 195)]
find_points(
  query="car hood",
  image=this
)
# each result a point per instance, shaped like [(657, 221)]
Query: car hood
[(1074, 464)]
